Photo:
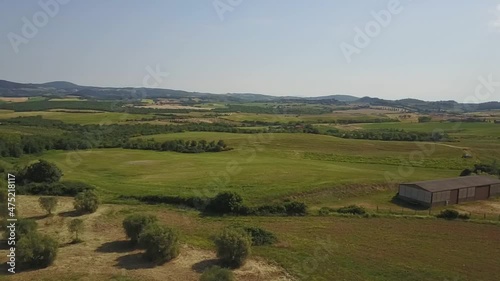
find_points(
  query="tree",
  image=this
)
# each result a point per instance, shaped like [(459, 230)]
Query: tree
[(86, 202), (233, 246), (216, 273), (225, 202), (161, 243), (42, 171), (134, 224), (76, 226), (35, 250), (49, 204)]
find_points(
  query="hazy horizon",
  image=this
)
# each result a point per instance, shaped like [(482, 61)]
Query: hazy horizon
[(279, 48)]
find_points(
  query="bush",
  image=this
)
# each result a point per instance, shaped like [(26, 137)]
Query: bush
[(466, 172), (49, 204), (76, 226), (225, 203), (86, 202), (35, 250), (64, 188), (352, 209), (295, 208), (25, 227), (448, 214), (233, 246), (134, 224), (216, 273), (464, 216), (260, 236), (42, 171), (161, 243)]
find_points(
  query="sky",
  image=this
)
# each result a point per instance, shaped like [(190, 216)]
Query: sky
[(430, 50)]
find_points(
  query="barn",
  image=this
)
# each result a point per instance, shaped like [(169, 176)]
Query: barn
[(445, 192)]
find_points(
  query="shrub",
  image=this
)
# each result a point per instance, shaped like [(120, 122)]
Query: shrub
[(35, 250), (161, 243), (466, 172), (260, 236), (134, 224), (225, 203), (233, 246), (86, 202), (49, 204), (448, 214), (42, 171), (464, 216), (64, 188), (24, 227), (295, 208), (76, 226), (216, 273), (352, 209)]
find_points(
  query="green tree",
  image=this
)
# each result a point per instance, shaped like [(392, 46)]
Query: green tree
[(49, 204), (86, 202), (35, 250), (233, 246), (216, 273), (225, 202), (42, 171), (161, 243), (76, 226), (134, 224)]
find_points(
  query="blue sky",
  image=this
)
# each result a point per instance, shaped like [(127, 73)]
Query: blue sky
[(432, 50)]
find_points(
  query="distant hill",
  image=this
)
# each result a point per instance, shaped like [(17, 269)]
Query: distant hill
[(63, 88)]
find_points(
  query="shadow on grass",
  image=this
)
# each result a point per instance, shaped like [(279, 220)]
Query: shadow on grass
[(39, 217), (201, 266), (133, 261), (70, 214), (405, 204), (116, 247)]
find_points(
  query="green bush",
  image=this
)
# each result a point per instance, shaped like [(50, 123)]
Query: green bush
[(35, 250), (233, 246), (41, 171), (295, 208), (49, 204), (216, 273), (324, 211), (352, 209), (24, 227), (134, 224), (448, 214), (225, 203), (86, 202), (161, 243), (63, 188), (260, 236), (464, 216)]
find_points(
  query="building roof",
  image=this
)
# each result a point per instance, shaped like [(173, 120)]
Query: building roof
[(455, 183)]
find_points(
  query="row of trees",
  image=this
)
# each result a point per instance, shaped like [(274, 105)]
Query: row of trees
[(390, 135), (182, 146)]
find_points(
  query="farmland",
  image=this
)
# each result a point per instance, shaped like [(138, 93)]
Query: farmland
[(270, 158)]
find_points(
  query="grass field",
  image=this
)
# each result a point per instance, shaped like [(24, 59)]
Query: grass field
[(245, 169)]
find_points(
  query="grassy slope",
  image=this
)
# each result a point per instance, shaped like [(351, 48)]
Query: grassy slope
[(78, 118)]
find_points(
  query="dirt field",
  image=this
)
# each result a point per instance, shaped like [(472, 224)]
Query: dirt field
[(105, 253), (17, 99)]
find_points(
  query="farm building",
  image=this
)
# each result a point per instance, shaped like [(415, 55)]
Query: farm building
[(449, 191)]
